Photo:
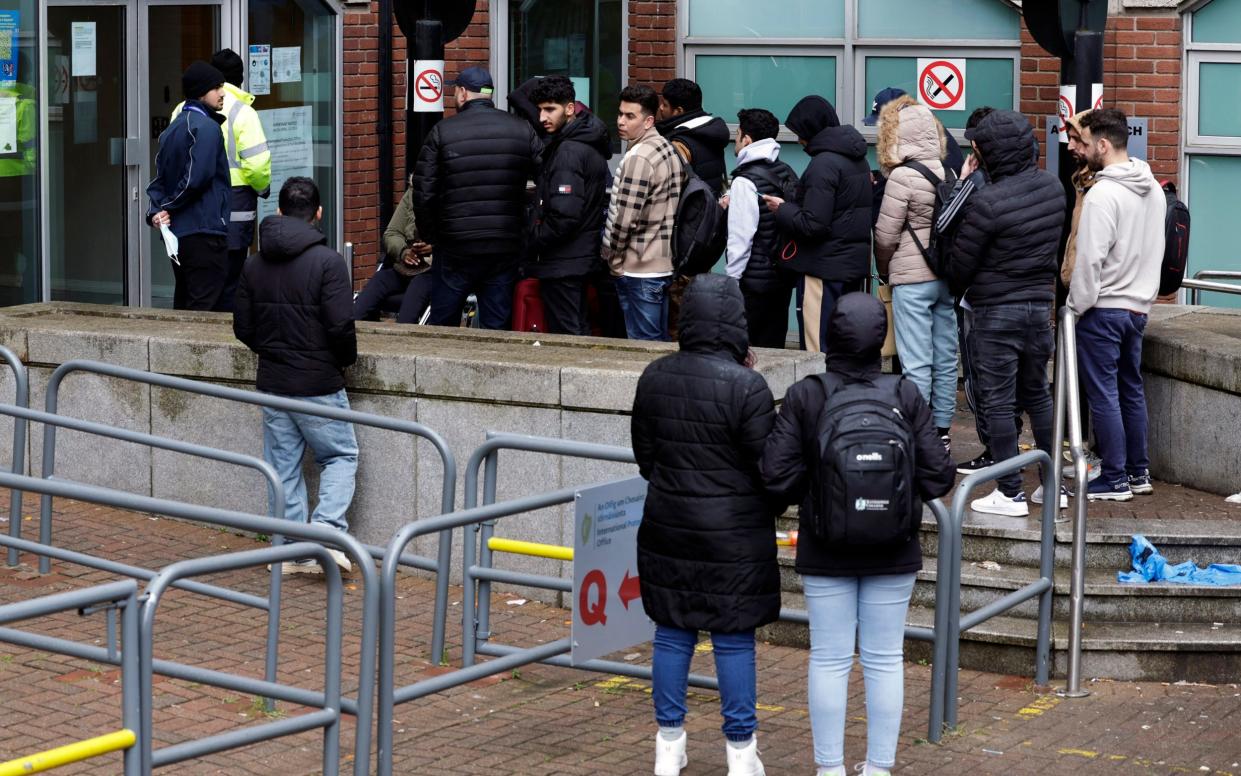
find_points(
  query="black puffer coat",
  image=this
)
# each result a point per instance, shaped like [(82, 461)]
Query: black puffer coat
[(1007, 245), (705, 137), (856, 330), (707, 545), (829, 225), (294, 308), (573, 200), (470, 181)]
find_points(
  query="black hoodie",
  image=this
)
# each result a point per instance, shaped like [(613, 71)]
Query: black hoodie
[(827, 230), (295, 309), (1007, 246), (705, 137), (856, 329), (707, 545), (572, 200)]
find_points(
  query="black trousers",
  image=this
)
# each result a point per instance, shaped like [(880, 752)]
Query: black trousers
[(564, 305), (611, 319), (386, 283), (767, 311), (203, 274)]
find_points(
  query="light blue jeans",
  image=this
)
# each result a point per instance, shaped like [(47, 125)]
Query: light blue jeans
[(285, 438), (926, 340), (874, 608)]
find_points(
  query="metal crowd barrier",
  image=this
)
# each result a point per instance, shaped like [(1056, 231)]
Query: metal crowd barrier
[(87, 600), (1202, 282), (21, 397), (329, 701)]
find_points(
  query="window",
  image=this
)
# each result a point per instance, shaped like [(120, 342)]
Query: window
[(1212, 151), (938, 19), (990, 82), (20, 271), (731, 82), (771, 19)]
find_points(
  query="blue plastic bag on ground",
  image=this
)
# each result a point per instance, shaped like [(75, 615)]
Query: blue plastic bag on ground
[(1150, 566)]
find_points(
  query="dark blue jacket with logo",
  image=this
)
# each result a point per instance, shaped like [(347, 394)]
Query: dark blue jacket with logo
[(191, 173)]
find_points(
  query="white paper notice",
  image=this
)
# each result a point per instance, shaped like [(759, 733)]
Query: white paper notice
[(259, 82), (286, 64), (83, 36), (8, 126), (292, 152)]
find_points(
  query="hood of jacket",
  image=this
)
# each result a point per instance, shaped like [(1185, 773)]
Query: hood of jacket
[(810, 116), (1134, 175), (284, 238), (908, 132), (713, 318), (202, 107), (1005, 143), (855, 334), (765, 150), (843, 140), (588, 129), (709, 130)]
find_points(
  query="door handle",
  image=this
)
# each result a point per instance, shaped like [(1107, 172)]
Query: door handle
[(124, 151)]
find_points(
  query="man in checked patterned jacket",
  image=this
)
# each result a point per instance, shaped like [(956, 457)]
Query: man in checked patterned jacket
[(637, 238)]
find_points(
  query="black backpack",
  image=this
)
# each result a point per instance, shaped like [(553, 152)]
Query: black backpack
[(1176, 241), (936, 251), (699, 228), (865, 492)]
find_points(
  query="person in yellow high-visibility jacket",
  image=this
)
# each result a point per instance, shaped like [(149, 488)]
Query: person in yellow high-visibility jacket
[(17, 195), (249, 164)]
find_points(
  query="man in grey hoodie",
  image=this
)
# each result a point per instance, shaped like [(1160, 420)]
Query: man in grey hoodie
[(1120, 241)]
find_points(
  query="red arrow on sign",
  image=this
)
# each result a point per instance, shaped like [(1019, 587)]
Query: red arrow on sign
[(630, 590)]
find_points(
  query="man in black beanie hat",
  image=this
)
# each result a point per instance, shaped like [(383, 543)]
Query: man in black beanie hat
[(827, 229), (249, 166), (190, 191)]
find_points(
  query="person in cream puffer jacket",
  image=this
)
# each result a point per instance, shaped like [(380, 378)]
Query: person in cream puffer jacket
[(922, 305)]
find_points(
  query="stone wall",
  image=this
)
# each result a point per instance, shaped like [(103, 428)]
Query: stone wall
[(461, 383)]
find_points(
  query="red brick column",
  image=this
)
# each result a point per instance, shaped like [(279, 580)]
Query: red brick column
[(652, 42)]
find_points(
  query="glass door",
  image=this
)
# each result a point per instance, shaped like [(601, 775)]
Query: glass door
[(176, 35), (90, 193)]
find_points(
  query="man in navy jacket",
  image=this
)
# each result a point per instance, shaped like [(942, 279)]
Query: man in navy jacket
[(190, 191)]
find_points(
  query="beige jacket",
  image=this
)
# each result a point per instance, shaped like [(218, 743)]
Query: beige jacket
[(907, 132), (637, 237)]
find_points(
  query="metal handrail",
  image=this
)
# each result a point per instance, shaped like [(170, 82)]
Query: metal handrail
[(78, 751), (21, 398), (1067, 412), (123, 594), (1196, 286)]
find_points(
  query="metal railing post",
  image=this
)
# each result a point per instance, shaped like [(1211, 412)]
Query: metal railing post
[(21, 397), (132, 704), (1077, 569), (944, 577)]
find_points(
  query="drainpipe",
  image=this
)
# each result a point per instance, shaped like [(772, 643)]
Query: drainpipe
[(384, 114)]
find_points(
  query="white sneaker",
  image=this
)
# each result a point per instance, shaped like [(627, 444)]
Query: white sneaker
[(744, 761), (999, 504), (291, 567), (1037, 496), (866, 769), (342, 561), (670, 756)]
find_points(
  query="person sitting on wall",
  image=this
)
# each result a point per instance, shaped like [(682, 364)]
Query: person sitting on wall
[(402, 272)]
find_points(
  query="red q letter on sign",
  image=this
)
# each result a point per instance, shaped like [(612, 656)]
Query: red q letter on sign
[(595, 615)]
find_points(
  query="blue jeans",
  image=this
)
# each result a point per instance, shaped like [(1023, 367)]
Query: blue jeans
[(926, 339), (644, 302), (874, 608), (1010, 346), (734, 665), (1109, 351), (489, 278), (285, 438)]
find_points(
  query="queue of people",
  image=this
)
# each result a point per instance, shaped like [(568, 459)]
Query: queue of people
[(971, 250)]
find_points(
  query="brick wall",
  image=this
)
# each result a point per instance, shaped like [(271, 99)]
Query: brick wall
[(652, 42), (1141, 76), (361, 142)]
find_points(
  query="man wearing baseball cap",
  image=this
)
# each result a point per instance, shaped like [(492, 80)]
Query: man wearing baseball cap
[(470, 202), (190, 191)]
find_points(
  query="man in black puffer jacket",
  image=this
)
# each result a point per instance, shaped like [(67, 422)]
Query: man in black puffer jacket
[(698, 137), (707, 545), (294, 307), (1006, 255), (470, 202), (572, 205), (828, 227)]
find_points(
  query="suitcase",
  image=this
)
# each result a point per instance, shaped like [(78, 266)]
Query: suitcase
[(528, 307)]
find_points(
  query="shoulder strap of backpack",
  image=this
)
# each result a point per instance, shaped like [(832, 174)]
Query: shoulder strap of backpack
[(831, 383), (683, 150), (925, 172)]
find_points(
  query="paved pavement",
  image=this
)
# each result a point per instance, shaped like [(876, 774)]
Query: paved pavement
[(543, 720)]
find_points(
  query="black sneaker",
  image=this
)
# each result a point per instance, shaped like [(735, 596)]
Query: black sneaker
[(978, 464), (1105, 491), (1141, 484)]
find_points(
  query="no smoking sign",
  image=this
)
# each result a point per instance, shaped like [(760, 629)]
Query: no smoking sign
[(428, 86), (941, 83)]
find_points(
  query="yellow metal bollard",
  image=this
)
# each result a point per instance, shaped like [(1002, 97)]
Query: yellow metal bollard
[(70, 753), (516, 547)]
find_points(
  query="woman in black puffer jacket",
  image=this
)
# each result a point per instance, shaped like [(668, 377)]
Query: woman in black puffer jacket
[(707, 545)]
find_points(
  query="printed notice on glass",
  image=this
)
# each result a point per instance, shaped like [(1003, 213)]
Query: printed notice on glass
[(292, 151), (286, 64), (8, 126), (82, 35), (10, 23), (259, 82)]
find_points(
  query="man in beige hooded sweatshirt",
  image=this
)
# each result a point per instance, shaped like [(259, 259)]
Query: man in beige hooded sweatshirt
[(1120, 242)]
